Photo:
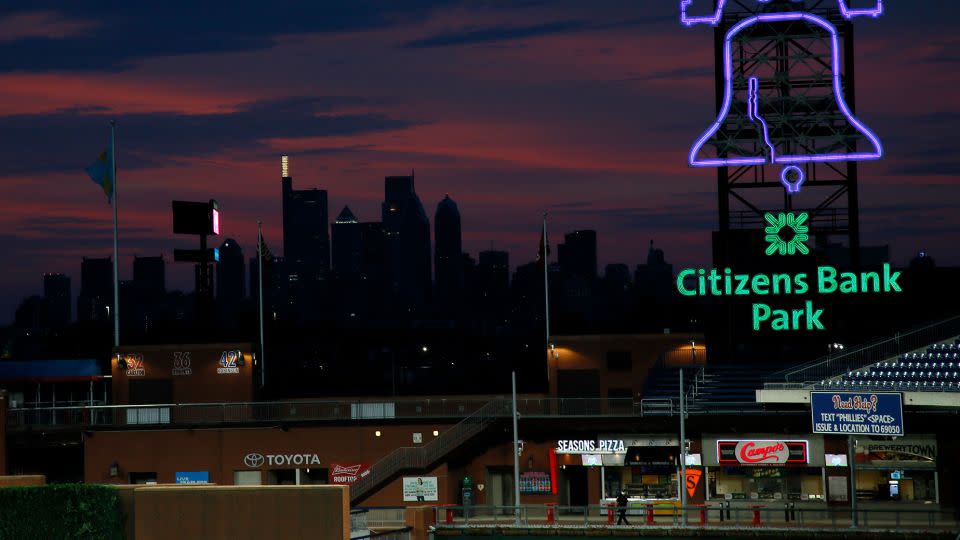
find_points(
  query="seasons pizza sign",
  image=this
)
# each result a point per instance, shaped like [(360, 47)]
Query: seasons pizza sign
[(762, 452)]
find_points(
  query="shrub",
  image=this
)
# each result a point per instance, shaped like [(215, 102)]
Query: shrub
[(60, 511)]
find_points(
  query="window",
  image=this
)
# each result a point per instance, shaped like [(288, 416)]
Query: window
[(246, 478), (143, 478), (619, 361)]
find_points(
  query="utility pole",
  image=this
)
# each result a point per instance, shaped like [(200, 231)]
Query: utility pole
[(852, 462), (516, 454), (683, 455)]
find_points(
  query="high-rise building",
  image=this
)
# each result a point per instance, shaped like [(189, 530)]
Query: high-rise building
[(654, 279), (407, 232), (231, 288), (96, 290), (149, 276), (577, 254), (347, 239), (448, 263), (56, 291), (494, 274), (306, 242)]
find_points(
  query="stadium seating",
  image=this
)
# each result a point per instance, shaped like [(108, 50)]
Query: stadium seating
[(719, 384), (935, 369)]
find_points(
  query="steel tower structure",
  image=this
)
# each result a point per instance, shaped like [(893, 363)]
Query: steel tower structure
[(790, 64)]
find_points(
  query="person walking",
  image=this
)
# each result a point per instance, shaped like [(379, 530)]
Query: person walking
[(622, 509)]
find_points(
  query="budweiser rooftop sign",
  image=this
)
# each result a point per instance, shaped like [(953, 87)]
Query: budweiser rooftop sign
[(762, 452)]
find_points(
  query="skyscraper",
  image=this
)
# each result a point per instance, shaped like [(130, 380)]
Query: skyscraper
[(306, 242), (448, 251), (96, 290), (494, 274), (577, 254), (149, 276), (347, 239), (56, 291), (231, 288), (654, 279), (407, 232)]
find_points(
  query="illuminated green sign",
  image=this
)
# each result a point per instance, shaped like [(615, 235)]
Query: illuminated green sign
[(786, 234), (790, 223)]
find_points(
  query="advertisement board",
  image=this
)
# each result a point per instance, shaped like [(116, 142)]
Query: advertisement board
[(347, 473), (197, 477), (762, 452), (420, 488), (535, 483), (857, 413)]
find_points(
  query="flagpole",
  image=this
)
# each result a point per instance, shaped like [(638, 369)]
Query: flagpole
[(116, 272), (546, 290), (263, 355)]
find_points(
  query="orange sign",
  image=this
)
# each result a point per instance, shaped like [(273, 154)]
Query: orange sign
[(693, 480)]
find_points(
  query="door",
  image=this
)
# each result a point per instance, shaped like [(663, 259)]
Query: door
[(500, 489), (576, 484)]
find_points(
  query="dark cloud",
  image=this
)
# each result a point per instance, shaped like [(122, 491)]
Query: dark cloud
[(674, 75), (494, 34), (128, 32), (150, 139)]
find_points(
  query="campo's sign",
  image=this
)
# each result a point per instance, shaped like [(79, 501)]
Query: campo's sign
[(853, 413), (762, 452), (786, 234)]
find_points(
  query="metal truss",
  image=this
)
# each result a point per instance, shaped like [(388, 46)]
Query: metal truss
[(791, 61)]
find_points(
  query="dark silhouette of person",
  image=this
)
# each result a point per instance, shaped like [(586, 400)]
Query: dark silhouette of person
[(622, 509)]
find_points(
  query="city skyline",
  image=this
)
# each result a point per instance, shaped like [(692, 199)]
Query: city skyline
[(563, 107)]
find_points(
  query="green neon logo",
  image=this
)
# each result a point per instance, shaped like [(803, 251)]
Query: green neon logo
[(792, 223)]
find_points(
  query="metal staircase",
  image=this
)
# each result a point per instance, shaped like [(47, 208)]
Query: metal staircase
[(422, 457)]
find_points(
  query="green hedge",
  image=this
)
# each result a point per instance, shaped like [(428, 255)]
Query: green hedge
[(60, 511)]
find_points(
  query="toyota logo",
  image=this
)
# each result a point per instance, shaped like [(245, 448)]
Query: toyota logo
[(253, 460)]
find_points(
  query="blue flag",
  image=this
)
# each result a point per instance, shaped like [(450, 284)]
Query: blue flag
[(101, 172)]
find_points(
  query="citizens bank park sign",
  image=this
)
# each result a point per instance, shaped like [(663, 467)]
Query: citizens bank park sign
[(786, 234)]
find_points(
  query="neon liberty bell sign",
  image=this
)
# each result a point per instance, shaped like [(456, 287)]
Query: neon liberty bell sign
[(792, 175)]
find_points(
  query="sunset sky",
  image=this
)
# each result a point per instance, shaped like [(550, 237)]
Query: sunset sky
[(582, 109)]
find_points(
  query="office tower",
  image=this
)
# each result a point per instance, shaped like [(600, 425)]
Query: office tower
[(306, 242), (347, 239), (149, 276), (448, 250), (407, 231), (494, 274), (577, 254), (654, 279), (56, 291), (617, 276), (96, 290), (231, 288), (33, 314)]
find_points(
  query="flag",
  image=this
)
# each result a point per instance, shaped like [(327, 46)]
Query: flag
[(265, 251), (101, 172)]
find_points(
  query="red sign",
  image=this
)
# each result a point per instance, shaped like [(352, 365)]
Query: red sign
[(762, 452), (693, 480), (347, 473)]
